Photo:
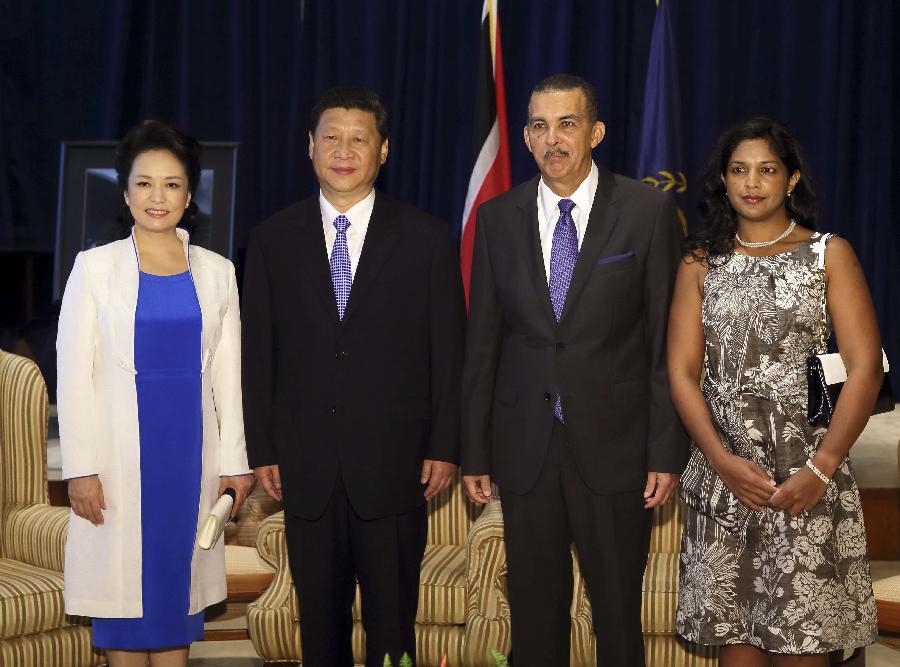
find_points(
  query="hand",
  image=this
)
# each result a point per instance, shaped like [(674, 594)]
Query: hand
[(438, 475), (86, 498), (242, 485), (798, 493), (270, 479), (750, 483), (660, 487), (478, 487)]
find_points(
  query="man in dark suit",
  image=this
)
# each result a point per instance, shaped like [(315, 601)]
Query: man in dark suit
[(565, 392), (352, 352)]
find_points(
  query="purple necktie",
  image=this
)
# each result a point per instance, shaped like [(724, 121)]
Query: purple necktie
[(341, 276), (563, 254)]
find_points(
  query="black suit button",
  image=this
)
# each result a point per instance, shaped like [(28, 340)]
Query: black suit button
[(342, 354), (560, 347), (333, 409), (548, 396)]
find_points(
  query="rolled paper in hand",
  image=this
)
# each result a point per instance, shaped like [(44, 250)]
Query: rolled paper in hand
[(215, 523)]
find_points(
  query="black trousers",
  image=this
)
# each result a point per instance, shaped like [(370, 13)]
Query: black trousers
[(328, 556), (611, 534)]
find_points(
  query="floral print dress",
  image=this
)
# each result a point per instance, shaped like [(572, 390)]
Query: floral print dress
[(784, 585)]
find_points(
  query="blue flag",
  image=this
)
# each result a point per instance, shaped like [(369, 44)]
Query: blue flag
[(661, 158)]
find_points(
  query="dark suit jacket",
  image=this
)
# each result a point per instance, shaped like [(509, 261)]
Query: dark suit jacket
[(370, 396), (606, 356)]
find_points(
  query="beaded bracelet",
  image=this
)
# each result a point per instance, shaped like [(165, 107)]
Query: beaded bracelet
[(818, 473)]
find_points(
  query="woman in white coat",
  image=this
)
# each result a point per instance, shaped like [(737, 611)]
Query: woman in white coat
[(149, 403)]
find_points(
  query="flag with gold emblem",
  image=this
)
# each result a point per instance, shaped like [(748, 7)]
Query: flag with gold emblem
[(661, 160)]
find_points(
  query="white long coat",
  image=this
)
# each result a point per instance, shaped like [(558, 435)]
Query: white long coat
[(98, 422)]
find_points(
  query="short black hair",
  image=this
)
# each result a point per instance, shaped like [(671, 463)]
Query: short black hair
[(564, 82), (157, 135), (351, 97)]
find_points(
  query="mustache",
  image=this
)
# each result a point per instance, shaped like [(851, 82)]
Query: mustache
[(556, 152)]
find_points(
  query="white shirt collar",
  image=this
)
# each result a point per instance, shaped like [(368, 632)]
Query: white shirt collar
[(583, 198), (358, 214)]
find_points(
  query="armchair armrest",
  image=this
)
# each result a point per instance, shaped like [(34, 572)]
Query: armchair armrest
[(487, 609), (36, 534), (270, 540), (272, 620)]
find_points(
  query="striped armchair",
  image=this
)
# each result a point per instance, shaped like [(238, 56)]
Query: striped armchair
[(463, 610), (660, 597), (34, 631), (462, 606), (662, 647)]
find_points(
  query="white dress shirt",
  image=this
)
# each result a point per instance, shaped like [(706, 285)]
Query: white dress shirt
[(359, 215), (548, 212)]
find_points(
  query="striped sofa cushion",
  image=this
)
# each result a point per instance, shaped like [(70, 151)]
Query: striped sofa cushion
[(36, 535), (442, 587), (256, 508), (674, 651), (659, 649), (451, 515), (70, 646), (31, 599), (659, 596), (272, 618), (23, 431), (667, 525)]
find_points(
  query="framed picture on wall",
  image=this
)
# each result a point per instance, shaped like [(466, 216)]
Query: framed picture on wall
[(90, 200)]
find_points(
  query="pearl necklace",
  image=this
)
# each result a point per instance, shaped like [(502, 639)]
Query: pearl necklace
[(763, 244)]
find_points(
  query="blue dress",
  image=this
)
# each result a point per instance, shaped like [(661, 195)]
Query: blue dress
[(167, 328)]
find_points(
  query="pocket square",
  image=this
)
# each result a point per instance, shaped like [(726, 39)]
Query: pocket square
[(616, 258)]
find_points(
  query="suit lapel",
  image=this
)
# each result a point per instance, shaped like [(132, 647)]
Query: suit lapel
[(532, 248), (314, 255), (603, 219), (381, 236)]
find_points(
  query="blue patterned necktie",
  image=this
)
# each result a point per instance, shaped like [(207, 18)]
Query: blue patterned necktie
[(341, 276), (563, 253)]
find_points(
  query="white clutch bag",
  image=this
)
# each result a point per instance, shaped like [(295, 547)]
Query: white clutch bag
[(215, 523)]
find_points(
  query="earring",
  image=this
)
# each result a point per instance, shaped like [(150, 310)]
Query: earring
[(789, 192)]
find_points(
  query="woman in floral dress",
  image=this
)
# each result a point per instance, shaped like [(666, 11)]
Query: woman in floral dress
[(780, 575)]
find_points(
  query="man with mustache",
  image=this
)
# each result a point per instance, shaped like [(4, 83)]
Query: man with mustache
[(565, 392)]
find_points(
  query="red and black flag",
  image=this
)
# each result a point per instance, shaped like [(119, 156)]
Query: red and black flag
[(490, 175)]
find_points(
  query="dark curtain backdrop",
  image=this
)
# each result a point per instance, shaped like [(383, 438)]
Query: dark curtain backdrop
[(249, 71)]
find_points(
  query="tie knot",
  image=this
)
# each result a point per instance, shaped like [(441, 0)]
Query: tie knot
[(566, 205), (341, 223)]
